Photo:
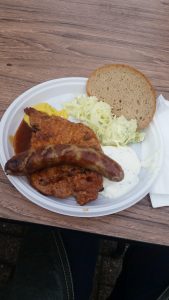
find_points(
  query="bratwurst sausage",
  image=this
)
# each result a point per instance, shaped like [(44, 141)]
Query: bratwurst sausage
[(31, 161)]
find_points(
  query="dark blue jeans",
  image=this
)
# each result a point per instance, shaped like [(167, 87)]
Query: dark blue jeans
[(60, 265), (54, 265), (82, 250), (145, 274)]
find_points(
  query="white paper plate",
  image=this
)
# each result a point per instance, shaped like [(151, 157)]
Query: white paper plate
[(56, 92)]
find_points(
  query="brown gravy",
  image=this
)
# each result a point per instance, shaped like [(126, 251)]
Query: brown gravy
[(22, 138)]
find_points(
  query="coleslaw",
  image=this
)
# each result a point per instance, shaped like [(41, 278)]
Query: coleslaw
[(110, 129)]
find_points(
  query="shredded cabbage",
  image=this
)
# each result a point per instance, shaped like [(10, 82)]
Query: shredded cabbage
[(110, 130)]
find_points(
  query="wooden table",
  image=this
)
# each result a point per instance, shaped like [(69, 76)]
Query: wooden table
[(45, 39)]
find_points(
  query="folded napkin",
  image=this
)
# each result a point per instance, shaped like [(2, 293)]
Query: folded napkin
[(159, 193)]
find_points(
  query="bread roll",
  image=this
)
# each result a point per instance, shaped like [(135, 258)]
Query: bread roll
[(126, 89)]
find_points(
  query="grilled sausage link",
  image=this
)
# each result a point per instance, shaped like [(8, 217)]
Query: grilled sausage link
[(34, 160)]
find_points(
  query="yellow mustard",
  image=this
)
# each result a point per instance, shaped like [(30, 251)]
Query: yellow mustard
[(49, 110)]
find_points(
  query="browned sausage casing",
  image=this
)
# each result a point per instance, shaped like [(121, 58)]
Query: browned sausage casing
[(34, 160)]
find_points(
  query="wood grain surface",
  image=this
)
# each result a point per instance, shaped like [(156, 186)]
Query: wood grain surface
[(47, 39)]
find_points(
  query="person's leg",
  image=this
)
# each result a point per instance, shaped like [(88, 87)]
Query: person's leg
[(145, 273), (82, 250), (42, 271), (48, 260)]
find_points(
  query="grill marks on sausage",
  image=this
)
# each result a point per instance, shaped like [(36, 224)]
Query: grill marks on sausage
[(53, 155)]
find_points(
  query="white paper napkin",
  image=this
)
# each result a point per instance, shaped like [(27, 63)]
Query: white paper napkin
[(159, 193)]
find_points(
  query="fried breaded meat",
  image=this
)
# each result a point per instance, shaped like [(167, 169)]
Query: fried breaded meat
[(64, 180)]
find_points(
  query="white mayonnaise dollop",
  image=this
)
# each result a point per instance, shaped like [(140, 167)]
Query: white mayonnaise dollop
[(131, 166)]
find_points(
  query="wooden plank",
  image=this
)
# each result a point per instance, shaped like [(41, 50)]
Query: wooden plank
[(42, 40)]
